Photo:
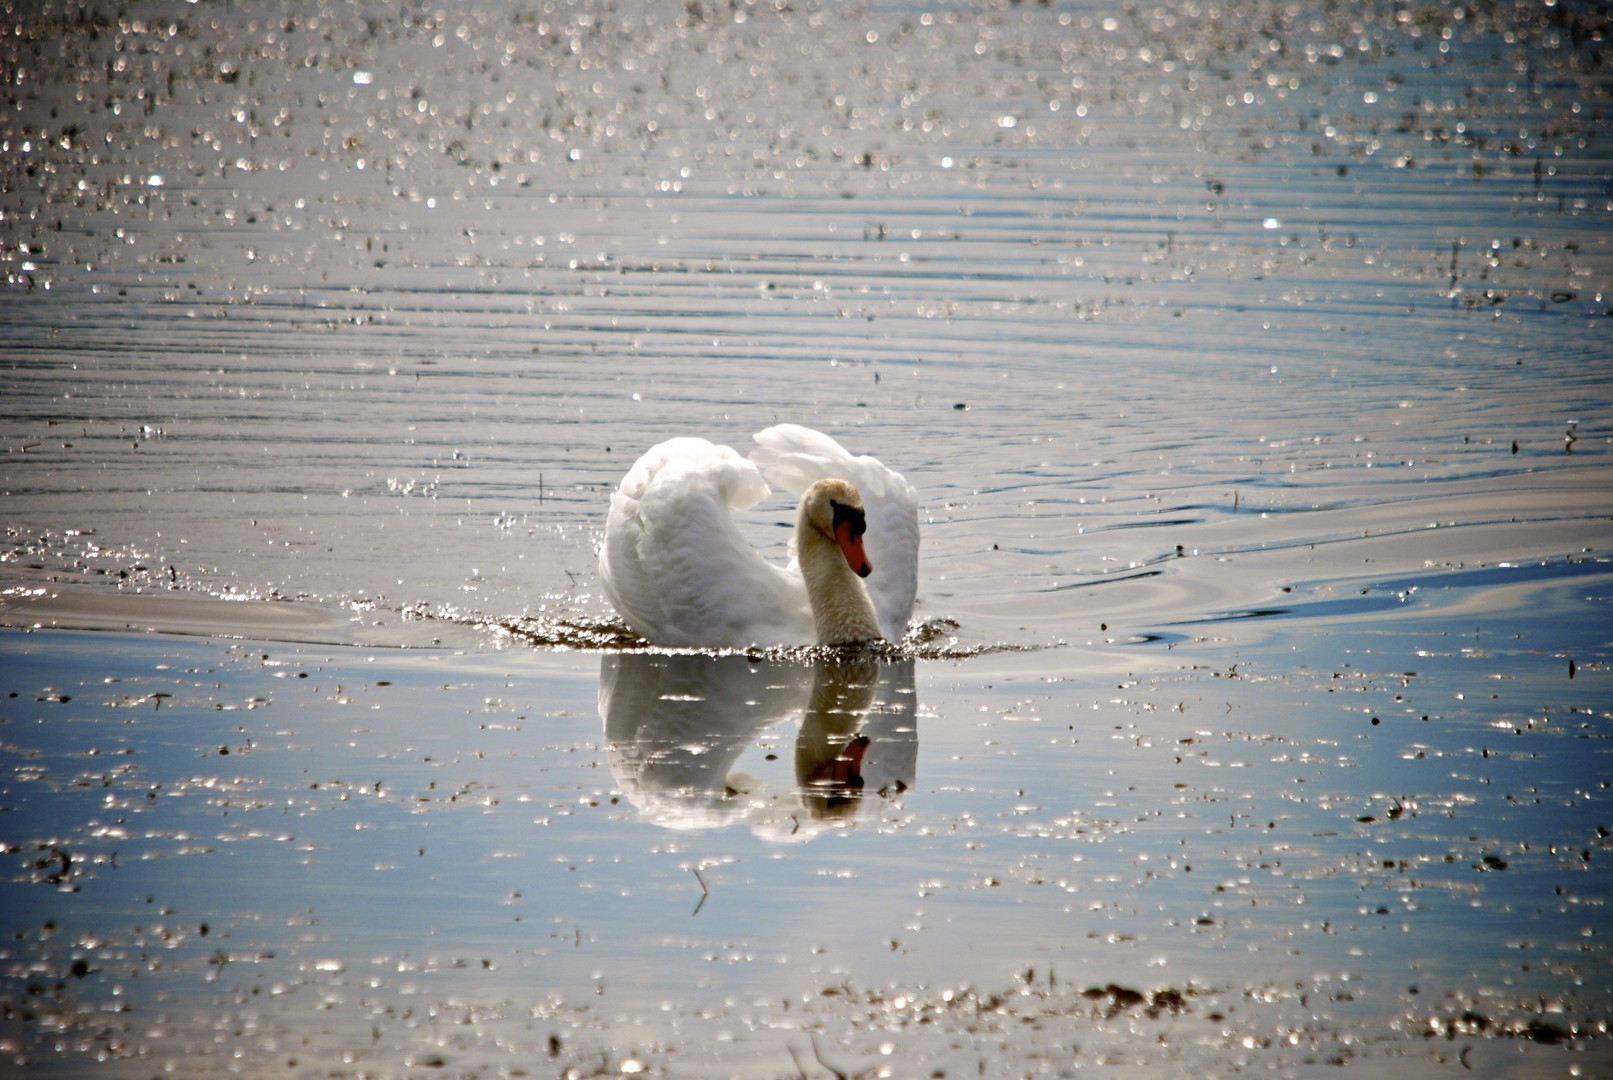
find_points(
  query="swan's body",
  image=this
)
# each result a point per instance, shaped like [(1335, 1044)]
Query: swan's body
[(679, 572)]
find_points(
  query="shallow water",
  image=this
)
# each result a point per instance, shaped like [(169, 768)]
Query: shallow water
[(1380, 846), (1252, 365)]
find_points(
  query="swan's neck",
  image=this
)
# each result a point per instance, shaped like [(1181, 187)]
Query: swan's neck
[(840, 606)]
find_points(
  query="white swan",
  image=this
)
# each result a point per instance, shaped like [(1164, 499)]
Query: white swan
[(679, 572)]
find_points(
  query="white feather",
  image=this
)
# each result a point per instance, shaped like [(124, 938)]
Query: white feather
[(793, 458), (679, 572)]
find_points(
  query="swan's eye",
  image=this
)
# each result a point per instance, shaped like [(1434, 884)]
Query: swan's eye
[(849, 515)]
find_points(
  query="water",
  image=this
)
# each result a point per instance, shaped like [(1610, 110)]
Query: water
[(1252, 367)]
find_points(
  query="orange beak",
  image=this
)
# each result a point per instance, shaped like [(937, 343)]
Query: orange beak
[(852, 547)]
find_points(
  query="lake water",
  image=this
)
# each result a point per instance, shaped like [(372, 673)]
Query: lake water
[(1252, 362)]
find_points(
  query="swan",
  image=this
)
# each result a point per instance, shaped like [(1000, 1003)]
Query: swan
[(674, 564)]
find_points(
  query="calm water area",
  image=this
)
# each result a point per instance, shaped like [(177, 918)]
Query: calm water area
[(1252, 361)]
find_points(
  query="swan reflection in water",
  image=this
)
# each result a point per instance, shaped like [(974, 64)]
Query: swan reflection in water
[(677, 725)]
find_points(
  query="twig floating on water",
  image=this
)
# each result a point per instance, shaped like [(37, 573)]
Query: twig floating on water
[(704, 892), (819, 1055)]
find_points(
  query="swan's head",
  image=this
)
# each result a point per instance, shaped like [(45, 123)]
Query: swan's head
[(835, 510)]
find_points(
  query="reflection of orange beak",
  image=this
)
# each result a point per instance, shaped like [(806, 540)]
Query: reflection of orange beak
[(844, 771), (852, 547)]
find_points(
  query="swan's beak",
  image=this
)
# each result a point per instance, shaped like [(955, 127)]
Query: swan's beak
[(852, 546)]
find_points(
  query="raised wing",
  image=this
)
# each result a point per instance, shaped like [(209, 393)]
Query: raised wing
[(792, 458), (675, 565)]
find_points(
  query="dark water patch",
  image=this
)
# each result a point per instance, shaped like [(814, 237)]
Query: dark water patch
[(1420, 593), (1159, 523), (1116, 578), (1545, 570), (1154, 638)]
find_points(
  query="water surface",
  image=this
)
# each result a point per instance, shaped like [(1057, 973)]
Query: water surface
[(1252, 365)]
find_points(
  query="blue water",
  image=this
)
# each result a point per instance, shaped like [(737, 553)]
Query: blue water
[(1370, 832)]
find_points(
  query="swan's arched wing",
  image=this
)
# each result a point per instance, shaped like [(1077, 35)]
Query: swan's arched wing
[(675, 564), (793, 458)]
